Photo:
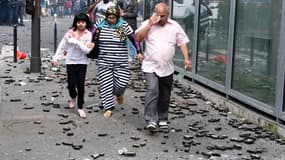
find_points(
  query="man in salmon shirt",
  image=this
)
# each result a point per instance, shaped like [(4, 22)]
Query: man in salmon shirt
[(160, 34)]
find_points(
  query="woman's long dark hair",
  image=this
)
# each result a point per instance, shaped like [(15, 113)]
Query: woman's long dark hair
[(81, 17)]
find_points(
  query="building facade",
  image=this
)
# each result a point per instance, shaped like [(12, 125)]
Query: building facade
[(237, 48)]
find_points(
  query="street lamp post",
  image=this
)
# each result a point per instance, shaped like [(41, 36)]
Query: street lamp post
[(15, 43), (55, 33), (35, 64)]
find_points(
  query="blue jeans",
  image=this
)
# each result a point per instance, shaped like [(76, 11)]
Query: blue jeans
[(3, 13), (13, 15)]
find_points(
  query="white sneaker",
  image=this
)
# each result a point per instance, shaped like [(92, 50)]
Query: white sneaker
[(163, 124), (151, 126), (81, 113)]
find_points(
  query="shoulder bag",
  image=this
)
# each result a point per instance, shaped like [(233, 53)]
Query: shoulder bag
[(93, 54)]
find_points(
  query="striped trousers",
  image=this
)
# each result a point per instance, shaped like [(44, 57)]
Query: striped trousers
[(113, 81)]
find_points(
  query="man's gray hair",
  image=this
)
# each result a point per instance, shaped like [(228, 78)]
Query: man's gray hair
[(167, 9)]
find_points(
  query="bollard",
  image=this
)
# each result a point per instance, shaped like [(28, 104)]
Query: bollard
[(15, 43), (55, 34)]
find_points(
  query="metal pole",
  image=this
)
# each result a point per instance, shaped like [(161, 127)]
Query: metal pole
[(36, 55), (15, 43), (55, 33)]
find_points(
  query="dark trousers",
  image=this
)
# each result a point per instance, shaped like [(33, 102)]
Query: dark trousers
[(13, 15), (76, 78), (21, 12), (157, 97)]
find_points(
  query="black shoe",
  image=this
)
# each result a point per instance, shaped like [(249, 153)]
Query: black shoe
[(151, 126)]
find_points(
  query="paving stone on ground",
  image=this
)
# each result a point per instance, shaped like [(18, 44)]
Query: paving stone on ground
[(36, 123)]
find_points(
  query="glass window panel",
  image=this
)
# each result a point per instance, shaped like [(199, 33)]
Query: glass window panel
[(284, 99), (212, 39), (149, 7), (256, 48), (183, 13)]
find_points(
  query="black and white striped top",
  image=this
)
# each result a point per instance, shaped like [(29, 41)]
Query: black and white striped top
[(113, 50)]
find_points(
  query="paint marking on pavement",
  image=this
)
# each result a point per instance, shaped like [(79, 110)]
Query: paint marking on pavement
[(45, 49), (7, 51), (28, 117)]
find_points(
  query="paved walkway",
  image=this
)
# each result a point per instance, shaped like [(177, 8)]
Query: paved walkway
[(36, 123)]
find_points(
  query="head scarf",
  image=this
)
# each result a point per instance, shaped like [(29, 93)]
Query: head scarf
[(113, 10)]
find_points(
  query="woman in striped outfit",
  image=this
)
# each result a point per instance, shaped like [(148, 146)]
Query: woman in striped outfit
[(113, 71)]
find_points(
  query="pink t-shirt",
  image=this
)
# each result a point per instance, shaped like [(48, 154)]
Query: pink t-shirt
[(160, 47)]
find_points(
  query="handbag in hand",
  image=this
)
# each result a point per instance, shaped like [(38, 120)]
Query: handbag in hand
[(93, 54)]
